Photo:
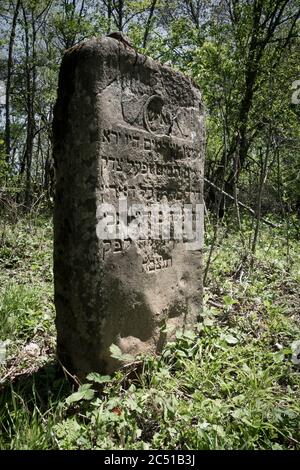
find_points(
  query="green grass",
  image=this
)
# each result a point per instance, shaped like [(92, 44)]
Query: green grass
[(230, 385), (22, 313)]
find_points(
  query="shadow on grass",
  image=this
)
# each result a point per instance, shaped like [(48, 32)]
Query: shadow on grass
[(43, 389), (30, 405)]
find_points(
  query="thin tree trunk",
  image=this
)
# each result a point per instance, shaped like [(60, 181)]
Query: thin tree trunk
[(8, 81), (263, 178), (218, 204), (148, 24), (109, 15), (236, 202), (30, 76), (120, 11)]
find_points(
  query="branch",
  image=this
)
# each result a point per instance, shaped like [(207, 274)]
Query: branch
[(252, 212)]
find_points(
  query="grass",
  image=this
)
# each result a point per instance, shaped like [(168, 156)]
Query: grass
[(232, 384)]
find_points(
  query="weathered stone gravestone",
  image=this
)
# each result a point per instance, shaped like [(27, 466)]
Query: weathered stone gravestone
[(129, 154)]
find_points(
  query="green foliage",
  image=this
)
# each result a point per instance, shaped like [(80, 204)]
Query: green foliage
[(117, 353), (84, 393), (29, 408), (26, 293), (232, 383), (243, 56), (206, 394), (235, 382), (21, 312), (98, 379)]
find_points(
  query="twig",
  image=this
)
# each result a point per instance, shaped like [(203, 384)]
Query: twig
[(267, 222), (73, 377), (215, 304)]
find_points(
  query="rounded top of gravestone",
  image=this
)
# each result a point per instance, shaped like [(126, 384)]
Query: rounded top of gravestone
[(118, 45)]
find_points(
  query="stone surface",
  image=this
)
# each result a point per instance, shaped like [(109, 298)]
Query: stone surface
[(124, 126)]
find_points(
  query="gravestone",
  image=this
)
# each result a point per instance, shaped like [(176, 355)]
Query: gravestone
[(128, 132)]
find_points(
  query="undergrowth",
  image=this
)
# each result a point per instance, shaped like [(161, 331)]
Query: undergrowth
[(234, 383)]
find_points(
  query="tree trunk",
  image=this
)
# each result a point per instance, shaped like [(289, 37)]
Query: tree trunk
[(148, 24), (8, 81), (30, 79)]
